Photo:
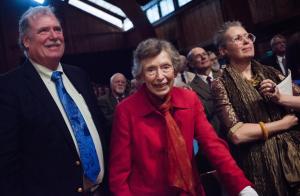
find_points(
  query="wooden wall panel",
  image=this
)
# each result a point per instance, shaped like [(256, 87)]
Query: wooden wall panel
[(83, 33), (196, 25), (201, 22), (11, 53), (271, 11), (86, 33)]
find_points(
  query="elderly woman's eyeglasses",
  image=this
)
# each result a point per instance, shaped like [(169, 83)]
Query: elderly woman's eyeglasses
[(153, 70), (238, 39)]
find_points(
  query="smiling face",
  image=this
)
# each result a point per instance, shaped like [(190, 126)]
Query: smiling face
[(242, 50), (44, 41), (118, 84), (158, 74)]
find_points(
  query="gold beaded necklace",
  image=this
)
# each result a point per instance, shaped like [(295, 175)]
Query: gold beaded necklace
[(254, 81)]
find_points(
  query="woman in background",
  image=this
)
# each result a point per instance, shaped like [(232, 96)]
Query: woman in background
[(266, 138)]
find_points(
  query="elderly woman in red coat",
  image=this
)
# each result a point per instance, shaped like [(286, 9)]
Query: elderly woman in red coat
[(153, 132)]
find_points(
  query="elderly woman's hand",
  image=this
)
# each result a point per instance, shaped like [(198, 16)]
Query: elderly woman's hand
[(269, 90)]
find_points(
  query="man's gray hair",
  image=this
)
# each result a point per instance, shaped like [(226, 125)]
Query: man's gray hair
[(219, 38), (151, 48), (115, 75), (275, 37), (24, 25)]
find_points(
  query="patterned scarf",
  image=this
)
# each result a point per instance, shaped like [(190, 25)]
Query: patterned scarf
[(180, 173), (249, 105), (265, 163)]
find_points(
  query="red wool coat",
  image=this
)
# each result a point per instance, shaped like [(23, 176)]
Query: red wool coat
[(139, 146)]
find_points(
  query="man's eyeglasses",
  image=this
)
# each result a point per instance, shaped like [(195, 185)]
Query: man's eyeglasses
[(238, 39)]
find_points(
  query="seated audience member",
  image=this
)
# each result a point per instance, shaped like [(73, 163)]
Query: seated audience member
[(265, 133), (214, 60), (201, 63), (277, 58), (134, 86), (293, 56), (184, 76), (96, 89), (153, 131), (108, 102), (101, 90)]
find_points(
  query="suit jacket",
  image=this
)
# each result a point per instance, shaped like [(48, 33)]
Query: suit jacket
[(272, 61), (139, 149), (37, 153), (107, 104), (203, 91)]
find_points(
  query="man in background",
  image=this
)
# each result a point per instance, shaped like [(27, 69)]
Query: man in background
[(201, 63), (277, 59), (108, 102), (50, 131)]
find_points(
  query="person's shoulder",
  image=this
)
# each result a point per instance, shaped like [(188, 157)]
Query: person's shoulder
[(183, 93), (12, 76), (268, 60), (73, 68), (134, 102), (131, 99), (103, 98), (13, 72)]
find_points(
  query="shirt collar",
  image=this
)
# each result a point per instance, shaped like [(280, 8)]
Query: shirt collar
[(203, 77), (44, 71)]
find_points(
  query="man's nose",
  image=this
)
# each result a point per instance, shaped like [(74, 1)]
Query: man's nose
[(53, 34)]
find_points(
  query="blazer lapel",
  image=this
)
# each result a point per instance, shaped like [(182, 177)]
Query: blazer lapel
[(39, 90), (200, 87)]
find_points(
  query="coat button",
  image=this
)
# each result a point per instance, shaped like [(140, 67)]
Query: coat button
[(77, 163), (79, 190)]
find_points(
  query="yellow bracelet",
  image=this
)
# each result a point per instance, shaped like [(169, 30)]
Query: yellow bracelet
[(264, 130)]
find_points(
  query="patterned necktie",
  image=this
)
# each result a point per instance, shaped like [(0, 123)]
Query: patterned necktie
[(87, 151), (209, 80)]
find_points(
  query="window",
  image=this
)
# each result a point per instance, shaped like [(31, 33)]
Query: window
[(127, 24), (96, 12), (183, 2), (39, 1), (166, 7), (152, 13), (109, 7), (157, 9)]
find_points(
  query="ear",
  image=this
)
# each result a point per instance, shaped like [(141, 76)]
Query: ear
[(26, 41)]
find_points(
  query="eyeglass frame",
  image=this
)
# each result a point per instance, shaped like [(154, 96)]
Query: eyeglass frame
[(238, 39), (153, 70)]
